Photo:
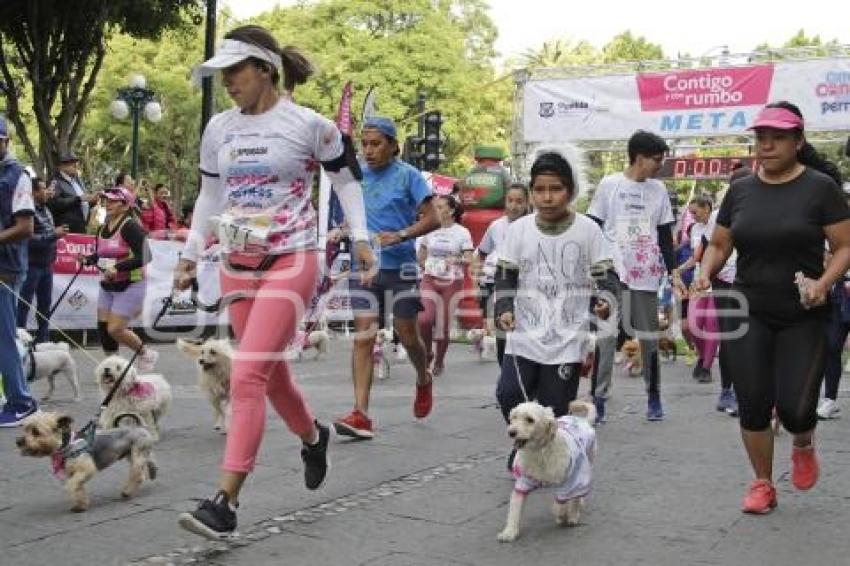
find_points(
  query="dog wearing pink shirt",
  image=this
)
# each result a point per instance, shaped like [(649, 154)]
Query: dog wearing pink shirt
[(551, 452), (146, 396)]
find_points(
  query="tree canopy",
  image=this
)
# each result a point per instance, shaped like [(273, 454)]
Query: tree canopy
[(51, 52)]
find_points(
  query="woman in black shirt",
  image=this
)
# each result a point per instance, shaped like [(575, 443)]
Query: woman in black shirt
[(778, 220)]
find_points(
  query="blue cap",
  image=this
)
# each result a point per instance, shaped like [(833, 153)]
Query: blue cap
[(384, 125), (4, 131)]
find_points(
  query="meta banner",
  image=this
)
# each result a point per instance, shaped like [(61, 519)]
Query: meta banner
[(684, 102)]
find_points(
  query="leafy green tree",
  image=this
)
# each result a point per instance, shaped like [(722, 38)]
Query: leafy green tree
[(442, 48), (560, 53), (51, 52), (626, 47)]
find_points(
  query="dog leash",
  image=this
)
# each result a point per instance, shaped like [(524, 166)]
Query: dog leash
[(510, 336)]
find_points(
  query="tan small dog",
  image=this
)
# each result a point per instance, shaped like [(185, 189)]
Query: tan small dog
[(215, 360), (551, 452), (633, 361), (50, 435), (666, 343)]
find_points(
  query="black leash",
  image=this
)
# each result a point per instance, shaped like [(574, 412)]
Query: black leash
[(65, 291)]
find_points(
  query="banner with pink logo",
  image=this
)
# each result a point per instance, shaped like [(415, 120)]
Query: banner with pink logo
[(708, 88), (681, 103)]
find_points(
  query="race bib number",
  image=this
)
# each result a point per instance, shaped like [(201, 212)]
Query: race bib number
[(242, 233), (436, 267), (632, 229)]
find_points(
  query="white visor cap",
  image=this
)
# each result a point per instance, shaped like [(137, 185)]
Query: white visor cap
[(232, 52)]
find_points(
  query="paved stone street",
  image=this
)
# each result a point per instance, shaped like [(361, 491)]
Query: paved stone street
[(435, 492)]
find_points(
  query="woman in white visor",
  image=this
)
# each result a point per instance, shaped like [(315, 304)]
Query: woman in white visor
[(257, 165)]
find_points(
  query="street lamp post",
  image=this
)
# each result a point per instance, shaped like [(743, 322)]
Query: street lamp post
[(134, 100)]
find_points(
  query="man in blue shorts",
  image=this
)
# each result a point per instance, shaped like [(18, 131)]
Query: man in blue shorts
[(392, 192)]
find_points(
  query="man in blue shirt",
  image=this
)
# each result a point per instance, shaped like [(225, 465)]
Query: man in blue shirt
[(393, 191), (16, 226)]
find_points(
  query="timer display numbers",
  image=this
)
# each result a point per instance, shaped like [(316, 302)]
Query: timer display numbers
[(701, 167)]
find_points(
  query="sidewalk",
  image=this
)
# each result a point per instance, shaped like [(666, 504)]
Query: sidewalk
[(435, 492)]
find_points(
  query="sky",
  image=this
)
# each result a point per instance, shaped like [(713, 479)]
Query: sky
[(693, 28)]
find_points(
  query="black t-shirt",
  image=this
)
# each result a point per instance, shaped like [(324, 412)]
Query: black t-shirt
[(778, 230)]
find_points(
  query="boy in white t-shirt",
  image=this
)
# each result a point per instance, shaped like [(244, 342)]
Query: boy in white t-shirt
[(544, 285), (635, 213), (487, 258)]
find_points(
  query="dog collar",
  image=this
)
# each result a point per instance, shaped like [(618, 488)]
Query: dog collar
[(72, 447)]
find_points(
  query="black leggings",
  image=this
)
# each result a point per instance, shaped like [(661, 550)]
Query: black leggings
[(550, 385), (778, 366)]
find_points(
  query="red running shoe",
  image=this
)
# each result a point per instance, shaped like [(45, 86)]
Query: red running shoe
[(424, 400), (761, 498), (356, 425), (804, 467)]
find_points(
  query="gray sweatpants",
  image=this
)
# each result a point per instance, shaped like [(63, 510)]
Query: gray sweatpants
[(639, 317)]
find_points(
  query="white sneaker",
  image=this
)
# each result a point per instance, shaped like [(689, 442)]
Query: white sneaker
[(828, 409), (147, 360)]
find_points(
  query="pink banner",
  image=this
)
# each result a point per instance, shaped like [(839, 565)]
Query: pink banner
[(442, 184), (71, 247), (705, 88)]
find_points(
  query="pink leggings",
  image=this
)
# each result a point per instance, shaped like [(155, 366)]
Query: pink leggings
[(702, 319), (437, 295), (264, 324)]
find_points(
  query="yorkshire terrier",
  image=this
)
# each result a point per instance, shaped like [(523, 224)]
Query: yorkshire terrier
[(74, 462)]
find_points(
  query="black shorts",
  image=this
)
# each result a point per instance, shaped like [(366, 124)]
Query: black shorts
[(389, 290)]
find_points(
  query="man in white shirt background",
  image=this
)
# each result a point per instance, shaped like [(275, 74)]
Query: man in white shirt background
[(635, 213)]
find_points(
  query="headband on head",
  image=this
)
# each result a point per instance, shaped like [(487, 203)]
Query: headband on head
[(778, 118), (233, 51)]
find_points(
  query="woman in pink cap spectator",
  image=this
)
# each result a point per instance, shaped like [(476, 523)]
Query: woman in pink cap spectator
[(778, 219), (120, 255)]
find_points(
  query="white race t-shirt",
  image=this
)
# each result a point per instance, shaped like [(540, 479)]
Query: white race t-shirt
[(632, 212), (489, 245), (551, 307), (727, 272), (445, 243), (265, 164)]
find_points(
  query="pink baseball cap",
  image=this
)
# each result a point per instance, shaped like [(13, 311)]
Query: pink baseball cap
[(778, 118), (119, 193)]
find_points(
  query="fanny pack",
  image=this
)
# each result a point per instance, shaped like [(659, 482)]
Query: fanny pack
[(242, 233)]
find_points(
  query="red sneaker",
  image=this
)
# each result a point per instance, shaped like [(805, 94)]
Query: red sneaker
[(355, 425), (761, 498), (424, 400), (804, 467)]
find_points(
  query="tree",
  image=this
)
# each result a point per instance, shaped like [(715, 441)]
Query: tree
[(51, 52), (560, 53), (440, 47), (625, 47)]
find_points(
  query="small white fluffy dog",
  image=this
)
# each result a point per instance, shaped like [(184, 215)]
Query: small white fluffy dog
[(49, 360), (551, 452), (215, 358), (385, 353), (318, 340), (484, 344), (147, 396)]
